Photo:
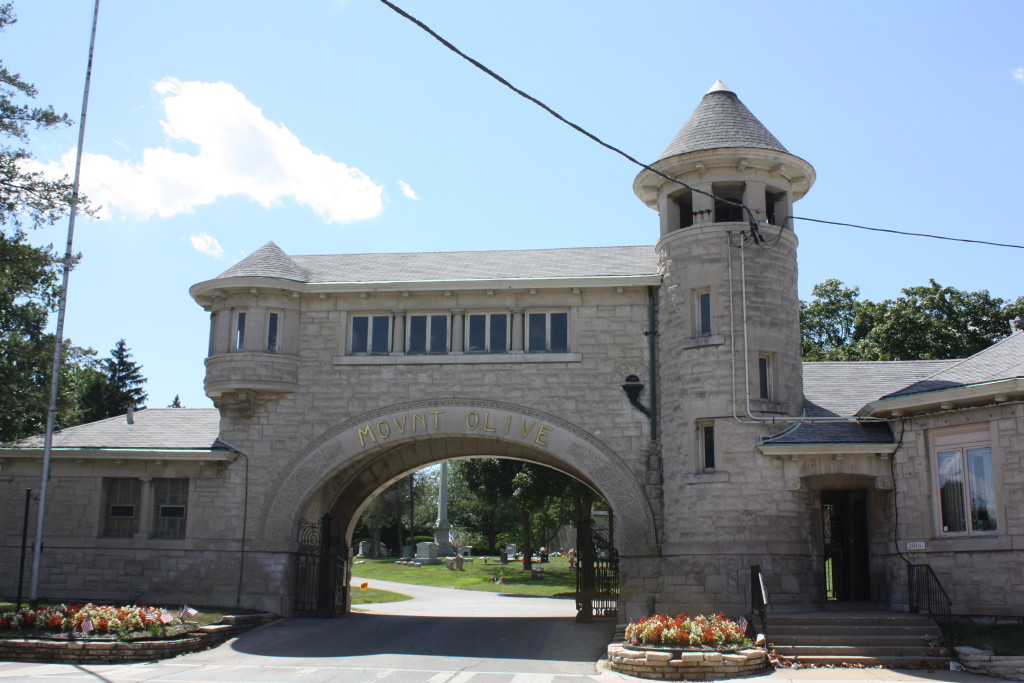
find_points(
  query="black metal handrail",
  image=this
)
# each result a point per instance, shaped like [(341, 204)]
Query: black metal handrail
[(926, 591), (759, 597)]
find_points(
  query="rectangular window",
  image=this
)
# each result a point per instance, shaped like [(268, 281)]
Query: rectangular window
[(966, 489), (272, 322), (170, 504), (764, 375), (120, 505), (428, 334), (728, 201), (547, 332), (706, 444), (240, 331), (487, 333), (702, 311), (371, 334)]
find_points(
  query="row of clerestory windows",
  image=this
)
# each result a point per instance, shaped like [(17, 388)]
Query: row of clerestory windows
[(441, 333)]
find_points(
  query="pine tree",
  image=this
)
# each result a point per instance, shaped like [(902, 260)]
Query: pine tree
[(176, 403), (118, 388)]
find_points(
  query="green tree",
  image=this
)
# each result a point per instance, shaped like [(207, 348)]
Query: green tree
[(929, 322), (29, 275), (176, 403), (117, 388)]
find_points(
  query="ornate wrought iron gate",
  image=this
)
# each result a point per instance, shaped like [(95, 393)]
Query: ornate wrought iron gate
[(321, 570), (597, 579)]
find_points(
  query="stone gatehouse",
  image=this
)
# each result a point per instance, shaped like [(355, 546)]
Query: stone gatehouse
[(335, 375)]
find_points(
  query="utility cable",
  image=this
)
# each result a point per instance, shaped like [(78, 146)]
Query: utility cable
[(754, 229)]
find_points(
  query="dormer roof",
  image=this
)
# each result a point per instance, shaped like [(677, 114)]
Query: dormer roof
[(721, 121)]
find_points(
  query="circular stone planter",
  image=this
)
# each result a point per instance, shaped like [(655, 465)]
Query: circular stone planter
[(685, 665)]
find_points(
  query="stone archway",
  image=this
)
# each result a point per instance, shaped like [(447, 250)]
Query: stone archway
[(346, 463)]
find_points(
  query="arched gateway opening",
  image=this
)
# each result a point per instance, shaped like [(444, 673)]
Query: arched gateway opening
[(341, 470)]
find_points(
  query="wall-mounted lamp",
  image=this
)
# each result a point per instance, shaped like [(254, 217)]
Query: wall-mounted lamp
[(633, 386)]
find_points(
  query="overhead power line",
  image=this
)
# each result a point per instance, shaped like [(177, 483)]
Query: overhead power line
[(580, 129)]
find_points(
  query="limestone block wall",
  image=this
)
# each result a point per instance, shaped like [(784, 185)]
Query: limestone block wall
[(983, 572)]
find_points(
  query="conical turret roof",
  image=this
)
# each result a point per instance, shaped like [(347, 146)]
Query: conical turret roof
[(721, 120), (267, 261)]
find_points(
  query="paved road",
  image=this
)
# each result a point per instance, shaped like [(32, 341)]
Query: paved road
[(441, 636)]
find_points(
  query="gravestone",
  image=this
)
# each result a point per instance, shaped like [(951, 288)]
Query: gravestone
[(426, 553), (364, 549), (510, 550), (407, 553)]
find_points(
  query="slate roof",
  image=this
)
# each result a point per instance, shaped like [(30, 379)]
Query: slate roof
[(721, 120), (1002, 360), (841, 388), (582, 262), (154, 428)]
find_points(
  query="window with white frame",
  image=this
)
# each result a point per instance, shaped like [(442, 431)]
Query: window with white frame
[(427, 333), (273, 332), (702, 312), (547, 332), (966, 488), (487, 333), (370, 334), (120, 506), (170, 505)]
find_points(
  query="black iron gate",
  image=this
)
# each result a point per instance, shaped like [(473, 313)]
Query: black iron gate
[(321, 570), (597, 578)]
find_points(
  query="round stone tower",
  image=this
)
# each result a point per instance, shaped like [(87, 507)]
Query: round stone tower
[(728, 325)]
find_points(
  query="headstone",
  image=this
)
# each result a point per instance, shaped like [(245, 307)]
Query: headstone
[(466, 550), (407, 552), (503, 558), (458, 563), (364, 548), (442, 529), (426, 553), (510, 550)]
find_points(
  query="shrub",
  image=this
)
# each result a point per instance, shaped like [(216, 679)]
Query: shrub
[(709, 631), (120, 622)]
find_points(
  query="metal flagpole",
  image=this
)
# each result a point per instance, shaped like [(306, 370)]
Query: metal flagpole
[(58, 337)]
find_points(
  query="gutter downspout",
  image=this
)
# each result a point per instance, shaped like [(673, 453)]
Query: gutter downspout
[(652, 346)]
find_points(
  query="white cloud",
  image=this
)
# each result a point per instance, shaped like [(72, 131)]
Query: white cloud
[(240, 153), (407, 191), (207, 244), (1018, 74)]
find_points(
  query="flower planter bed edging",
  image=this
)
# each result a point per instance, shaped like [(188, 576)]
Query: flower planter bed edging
[(685, 665), (59, 650), (985, 663)]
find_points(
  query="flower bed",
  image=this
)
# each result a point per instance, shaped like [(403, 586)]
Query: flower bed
[(93, 621), (704, 647)]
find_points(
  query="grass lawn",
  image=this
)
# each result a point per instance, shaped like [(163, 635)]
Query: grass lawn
[(371, 595), (558, 581), (1002, 639)]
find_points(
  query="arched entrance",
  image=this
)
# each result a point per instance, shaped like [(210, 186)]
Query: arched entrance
[(342, 469)]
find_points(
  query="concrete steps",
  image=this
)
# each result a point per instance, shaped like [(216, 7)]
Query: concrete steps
[(863, 637)]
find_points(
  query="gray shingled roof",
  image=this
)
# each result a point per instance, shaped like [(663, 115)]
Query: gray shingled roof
[(721, 120), (1002, 360), (840, 389), (582, 262), (267, 261), (153, 428)]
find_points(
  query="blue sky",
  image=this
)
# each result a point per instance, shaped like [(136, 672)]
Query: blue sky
[(334, 126)]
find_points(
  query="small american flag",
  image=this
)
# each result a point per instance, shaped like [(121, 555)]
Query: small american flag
[(147, 617), (87, 625), (166, 617), (187, 611)]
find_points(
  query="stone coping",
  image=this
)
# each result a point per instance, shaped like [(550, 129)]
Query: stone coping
[(985, 663), (63, 650), (685, 665)]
